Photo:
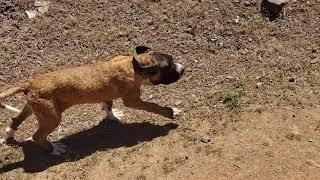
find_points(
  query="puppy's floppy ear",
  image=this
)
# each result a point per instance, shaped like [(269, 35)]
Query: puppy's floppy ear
[(142, 49), (144, 69)]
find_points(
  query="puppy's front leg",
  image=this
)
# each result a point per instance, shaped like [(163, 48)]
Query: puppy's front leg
[(137, 103), (112, 115)]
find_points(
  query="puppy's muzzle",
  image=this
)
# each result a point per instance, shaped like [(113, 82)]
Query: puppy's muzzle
[(180, 69)]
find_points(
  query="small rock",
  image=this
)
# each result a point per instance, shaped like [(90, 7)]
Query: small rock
[(41, 7), (188, 69), (205, 139), (265, 144), (314, 61), (32, 13), (294, 134), (177, 103), (41, 3), (190, 31), (126, 43), (291, 79), (229, 77), (122, 33), (313, 56), (258, 77), (213, 39), (150, 96), (247, 3), (253, 1), (244, 51), (311, 140), (237, 19), (250, 2), (259, 84), (236, 1)]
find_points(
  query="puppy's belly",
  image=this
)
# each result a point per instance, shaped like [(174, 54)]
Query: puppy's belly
[(83, 96)]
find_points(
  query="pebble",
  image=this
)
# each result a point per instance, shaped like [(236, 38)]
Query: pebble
[(150, 96), (291, 79), (178, 102), (236, 1), (213, 39), (229, 77), (259, 84), (312, 56), (237, 19), (126, 43), (40, 7), (32, 13), (41, 3), (253, 1), (314, 61), (258, 77), (205, 139), (250, 2)]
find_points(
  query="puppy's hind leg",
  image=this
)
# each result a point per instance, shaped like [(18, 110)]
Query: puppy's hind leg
[(49, 118), (16, 121), (113, 115)]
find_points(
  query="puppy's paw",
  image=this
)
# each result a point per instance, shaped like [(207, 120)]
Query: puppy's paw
[(172, 113), (58, 148), (9, 136), (115, 115), (176, 112), (9, 132), (29, 139)]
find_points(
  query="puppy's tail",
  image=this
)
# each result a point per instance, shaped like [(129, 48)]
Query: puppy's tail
[(24, 87)]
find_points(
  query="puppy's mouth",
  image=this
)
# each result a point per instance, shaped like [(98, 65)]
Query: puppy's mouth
[(171, 75), (179, 69)]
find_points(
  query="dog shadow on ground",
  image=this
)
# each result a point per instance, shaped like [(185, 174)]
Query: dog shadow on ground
[(101, 137)]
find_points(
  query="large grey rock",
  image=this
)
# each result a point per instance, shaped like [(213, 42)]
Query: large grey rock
[(40, 7)]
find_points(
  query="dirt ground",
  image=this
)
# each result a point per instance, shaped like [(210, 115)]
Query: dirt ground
[(268, 131)]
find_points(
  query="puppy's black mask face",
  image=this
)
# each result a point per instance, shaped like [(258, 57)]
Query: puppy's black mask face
[(169, 72), (158, 67)]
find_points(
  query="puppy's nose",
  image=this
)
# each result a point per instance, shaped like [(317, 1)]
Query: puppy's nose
[(180, 68)]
